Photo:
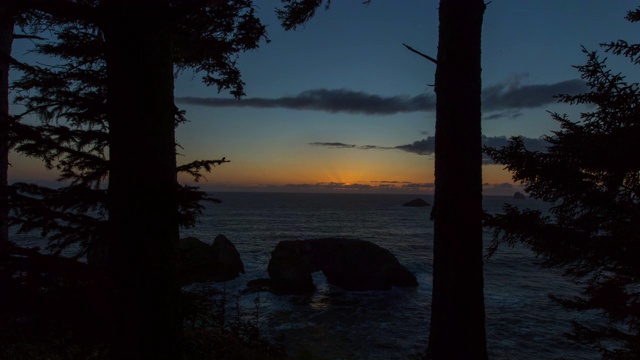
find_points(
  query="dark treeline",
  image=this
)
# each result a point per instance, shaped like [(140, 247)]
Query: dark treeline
[(590, 173)]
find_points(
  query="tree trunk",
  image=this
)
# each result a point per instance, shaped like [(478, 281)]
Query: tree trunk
[(457, 309), (6, 40), (143, 212)]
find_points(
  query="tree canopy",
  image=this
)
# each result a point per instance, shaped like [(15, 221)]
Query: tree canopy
[(105, 112), (590, 174), (72, 134)]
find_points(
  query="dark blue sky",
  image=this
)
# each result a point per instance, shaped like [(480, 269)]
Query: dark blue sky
[(341, 101)]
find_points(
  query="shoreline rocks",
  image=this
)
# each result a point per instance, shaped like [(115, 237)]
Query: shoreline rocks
[(200, 262)]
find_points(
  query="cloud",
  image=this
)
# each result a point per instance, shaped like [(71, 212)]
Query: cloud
[(512, 94), (374, 187), (499, 100), (369, 187), (336, 145), (419, 186), (512, 113), (427, 146), (390, 182), (333, 101), (420, 147), (502, 186)]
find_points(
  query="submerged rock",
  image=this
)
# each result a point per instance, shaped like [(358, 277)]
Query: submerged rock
[(200, 262), (257, 285), (350, 264), (416, 203)]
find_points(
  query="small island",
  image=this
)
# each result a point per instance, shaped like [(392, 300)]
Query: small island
[(519, 196), (416, 203)]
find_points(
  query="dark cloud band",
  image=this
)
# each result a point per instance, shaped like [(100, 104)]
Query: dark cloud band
[(427, 146), (334, 101), (499, 100)]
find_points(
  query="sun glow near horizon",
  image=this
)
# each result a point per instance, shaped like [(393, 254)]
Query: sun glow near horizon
[(342, 177), (390, 172)]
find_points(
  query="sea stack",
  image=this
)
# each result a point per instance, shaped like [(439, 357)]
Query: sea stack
[(416, 203), (519, 196)]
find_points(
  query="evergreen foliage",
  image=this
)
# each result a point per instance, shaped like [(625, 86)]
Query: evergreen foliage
[(590, 174), (70, 132), (104, 110)]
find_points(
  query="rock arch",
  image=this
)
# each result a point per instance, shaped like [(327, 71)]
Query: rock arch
[(350, 264)]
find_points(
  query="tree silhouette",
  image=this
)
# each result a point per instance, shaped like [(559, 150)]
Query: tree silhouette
[(590, 174), (457, 305), (73, 138), (124, 55), (6, 40), (10, 15)]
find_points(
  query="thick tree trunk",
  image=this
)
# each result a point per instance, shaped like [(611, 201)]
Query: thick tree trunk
[(6, 40), (143, 212), (457, 310)]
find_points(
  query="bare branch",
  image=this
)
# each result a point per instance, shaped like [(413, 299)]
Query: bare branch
[(421, 54), (25, 36)]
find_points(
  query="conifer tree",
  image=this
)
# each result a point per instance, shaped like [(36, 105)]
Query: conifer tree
[(590, 175), (137, 122), (10, 16), (6, 40), (72, 137)]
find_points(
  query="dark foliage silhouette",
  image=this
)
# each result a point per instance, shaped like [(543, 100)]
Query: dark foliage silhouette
[(104, 52), (590, 176)]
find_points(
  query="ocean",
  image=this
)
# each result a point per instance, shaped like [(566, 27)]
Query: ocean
[(522, 322)]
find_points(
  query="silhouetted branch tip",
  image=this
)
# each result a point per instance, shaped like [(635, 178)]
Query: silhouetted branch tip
[(223, 160), (421, 54), (24, 36)]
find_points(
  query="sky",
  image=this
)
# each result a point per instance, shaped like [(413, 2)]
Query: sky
[(340, 105)]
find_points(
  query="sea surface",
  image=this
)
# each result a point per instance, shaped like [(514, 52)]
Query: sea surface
[(522, 322)]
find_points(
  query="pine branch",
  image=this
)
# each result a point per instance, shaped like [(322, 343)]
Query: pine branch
[(194, 168), (63, 9)]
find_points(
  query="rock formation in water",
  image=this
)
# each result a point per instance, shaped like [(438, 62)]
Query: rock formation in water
[(199, 262), (416, 203), (350, 264), (519, 196)]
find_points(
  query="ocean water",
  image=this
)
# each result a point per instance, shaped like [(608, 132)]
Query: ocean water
[(522, 323)]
